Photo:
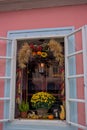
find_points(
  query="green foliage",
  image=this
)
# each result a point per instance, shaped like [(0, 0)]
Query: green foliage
[(24, 106), (42, 100)]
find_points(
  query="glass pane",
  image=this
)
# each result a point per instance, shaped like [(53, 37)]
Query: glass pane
[(7, 109), (5, 67), (72, 88), (74, 110), (76, 64), (79, 64), (71, 45), (1, 87), (9, 49), (1, 109), (4, 103), (5, 64), (2, 67), (75, 42), (76, 89), (72, 65), (39, 73), (78, 110), (5, 87), (3, 45)]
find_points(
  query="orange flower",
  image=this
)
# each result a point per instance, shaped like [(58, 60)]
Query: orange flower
[(39, 53), (33, 53)]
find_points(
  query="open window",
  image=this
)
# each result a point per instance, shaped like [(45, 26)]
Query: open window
[(7, 58), (76, 77), (66, 82)]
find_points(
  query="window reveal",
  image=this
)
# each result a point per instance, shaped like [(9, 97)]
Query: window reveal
[(40, 68)]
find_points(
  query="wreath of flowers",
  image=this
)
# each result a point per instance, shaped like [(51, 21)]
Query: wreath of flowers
[(29, 52)]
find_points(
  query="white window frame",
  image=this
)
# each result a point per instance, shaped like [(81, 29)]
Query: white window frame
[(41, 35), (68, 76), (8, 99)]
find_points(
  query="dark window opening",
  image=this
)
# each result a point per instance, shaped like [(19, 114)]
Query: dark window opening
[(40, 69)]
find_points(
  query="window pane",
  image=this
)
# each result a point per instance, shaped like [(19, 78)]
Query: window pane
[(79, 112), (40, 69)]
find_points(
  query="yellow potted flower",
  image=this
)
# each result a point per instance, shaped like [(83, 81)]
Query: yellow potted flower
[(42, 100)]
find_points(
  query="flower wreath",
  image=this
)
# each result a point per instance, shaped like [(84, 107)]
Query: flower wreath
[(30, 51)]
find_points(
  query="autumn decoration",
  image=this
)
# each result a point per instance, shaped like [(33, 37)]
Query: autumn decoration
[(40, 53)]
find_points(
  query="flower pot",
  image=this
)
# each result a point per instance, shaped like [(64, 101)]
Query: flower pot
[(23, 114), (42, 111)]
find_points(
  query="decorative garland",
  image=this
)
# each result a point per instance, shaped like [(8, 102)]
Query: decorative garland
[(30, 52)]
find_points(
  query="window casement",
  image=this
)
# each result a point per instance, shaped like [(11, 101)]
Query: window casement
[(75, 53), (76, 101), (7, 76)]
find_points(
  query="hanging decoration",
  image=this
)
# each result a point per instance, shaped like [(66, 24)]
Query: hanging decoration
[(18, 84), (44, 53)]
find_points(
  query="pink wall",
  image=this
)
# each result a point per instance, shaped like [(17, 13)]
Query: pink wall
[(43, 18)]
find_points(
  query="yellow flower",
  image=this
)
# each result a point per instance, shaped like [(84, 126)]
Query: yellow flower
[(44, 54), (42, 99)]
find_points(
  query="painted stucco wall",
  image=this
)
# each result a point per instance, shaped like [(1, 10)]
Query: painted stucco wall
[(42, 18)]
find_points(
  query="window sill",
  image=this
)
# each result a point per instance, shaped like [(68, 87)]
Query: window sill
[(40, 122)]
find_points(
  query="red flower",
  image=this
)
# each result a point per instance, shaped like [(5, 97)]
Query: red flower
[(39, 48), (31, 46), (35, 48)]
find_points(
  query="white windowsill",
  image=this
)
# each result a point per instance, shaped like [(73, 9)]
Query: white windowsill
[(40, 122)]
